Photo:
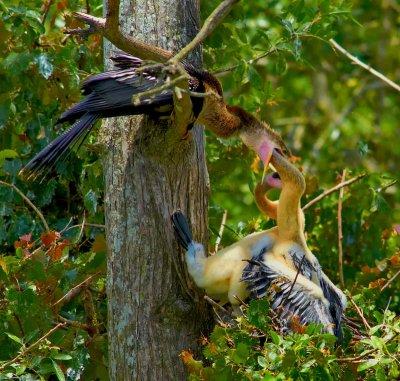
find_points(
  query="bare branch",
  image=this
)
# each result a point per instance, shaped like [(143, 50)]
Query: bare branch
[(75, 290), (340, 231), (332, 190), (29, 202), (215, 304), (86, 224), (390, 280), (212, 21), (45, 9), (156, 90), (360, 313), (128, 44), (221, 230), (363, 65), (35, 344), (249, 62), (75, 324)]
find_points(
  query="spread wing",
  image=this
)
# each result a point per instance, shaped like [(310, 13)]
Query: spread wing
[(289, 298), (311, 269), (111, 93)]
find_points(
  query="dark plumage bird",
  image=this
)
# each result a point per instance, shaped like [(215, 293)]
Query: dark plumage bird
[(110, 94)]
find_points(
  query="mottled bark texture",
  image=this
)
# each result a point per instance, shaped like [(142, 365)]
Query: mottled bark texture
[(153, 309)]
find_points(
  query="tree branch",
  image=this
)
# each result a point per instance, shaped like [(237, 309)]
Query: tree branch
[(212, 21), (390, 280), (340, 231), (113, 33), (221, 230), (29, 202), (75, 290), (332, 190), (25, 351), (363, 65)]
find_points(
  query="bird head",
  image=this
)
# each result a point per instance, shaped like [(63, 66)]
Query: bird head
[(273, 181), (264, 141), (288, 173)]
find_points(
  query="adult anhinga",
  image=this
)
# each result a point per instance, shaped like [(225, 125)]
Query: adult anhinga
[(298, 287), (110, 94)]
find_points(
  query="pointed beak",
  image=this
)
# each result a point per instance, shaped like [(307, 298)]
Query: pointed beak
[(265, 152)]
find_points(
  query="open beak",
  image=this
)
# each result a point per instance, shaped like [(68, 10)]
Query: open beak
[(265, 152)]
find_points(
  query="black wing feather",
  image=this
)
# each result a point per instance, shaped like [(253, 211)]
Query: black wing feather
[(47, 158), (287, 299), (182, 229)]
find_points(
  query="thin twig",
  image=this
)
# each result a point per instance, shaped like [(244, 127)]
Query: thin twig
[(295, 278), (364, 66), (360, 313), (340, 230), (75, 290), (361, 357), (75, 324), (390, 280), (332, 190), (81, 229), (156, 90), (45, 9), (212, 21), (25, 351), (215, 304), (29, 202), (86, 224), (248, 62), (221, 230)]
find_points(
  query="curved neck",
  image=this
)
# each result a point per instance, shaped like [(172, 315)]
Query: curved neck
[(217, 116), (264, 204), (290, 218)]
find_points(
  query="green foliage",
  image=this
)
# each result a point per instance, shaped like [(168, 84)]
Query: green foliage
[(273, 59), (47, 282), (250, 349)]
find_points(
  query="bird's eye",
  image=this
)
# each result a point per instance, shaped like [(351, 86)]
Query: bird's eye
[(275, 175)]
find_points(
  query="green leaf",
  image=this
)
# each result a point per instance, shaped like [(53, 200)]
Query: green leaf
[(62, 357), (367, 364), (14, 338), (44, 64), (262, 361), (90, 201), (7, 154), (59, 372)]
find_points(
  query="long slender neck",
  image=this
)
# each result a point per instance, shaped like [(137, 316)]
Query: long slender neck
[(266, 206), (217, 116), (290, 219)]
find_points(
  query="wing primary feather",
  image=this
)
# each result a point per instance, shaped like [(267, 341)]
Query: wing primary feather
[(45, 160), (182, 229)]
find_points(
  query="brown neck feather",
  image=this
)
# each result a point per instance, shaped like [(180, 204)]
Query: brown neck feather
[(217, 116)]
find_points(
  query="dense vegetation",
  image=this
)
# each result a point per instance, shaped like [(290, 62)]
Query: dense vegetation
[(274, 59)]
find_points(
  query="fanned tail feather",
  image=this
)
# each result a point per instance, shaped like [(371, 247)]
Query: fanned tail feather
[(45, 160), (182, 229)]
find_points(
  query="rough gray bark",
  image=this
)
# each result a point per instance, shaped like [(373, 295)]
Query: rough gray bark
[(149, 172)]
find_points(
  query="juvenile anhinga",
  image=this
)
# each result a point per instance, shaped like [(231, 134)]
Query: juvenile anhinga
[(280, 263), (110, 94), (220, 274), (267, 206), (312, 297)]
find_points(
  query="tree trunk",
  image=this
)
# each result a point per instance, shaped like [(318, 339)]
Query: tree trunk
[(153, 309)]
